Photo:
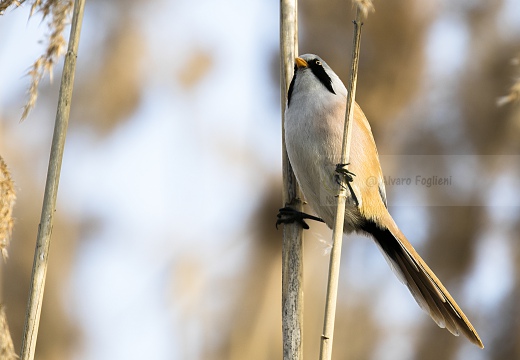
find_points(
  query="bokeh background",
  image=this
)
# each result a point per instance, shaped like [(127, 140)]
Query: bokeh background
[(164, 244)]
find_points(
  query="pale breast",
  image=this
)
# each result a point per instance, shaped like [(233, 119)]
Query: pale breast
[(314, 135)]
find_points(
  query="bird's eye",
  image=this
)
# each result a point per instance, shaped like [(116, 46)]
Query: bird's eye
[(318, 62)]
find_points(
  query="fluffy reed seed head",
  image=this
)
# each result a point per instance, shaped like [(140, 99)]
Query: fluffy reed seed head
[(513, 96), (6, 342), (365, 6), (7, 199), (60, 11), (514, 90), (4, 4)]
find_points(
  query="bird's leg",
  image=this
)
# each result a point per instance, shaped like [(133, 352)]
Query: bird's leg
[(342, 170), (288, 215)]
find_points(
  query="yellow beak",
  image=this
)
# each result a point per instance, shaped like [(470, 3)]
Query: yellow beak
[(300, 62)]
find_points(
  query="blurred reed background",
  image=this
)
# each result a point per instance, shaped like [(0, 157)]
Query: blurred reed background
[(164, 245)]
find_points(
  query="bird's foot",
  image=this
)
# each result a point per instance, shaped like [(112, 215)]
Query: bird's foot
[(288, 215), (341, 169)]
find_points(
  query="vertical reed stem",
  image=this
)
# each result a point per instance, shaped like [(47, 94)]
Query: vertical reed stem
[(337, 235), (41, 254), (292, 249)]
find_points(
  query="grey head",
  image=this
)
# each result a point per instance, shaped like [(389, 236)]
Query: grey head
[(312, 74)]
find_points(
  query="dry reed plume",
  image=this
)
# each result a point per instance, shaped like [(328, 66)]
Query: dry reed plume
[(365, 6), (514, 90), (7, 199), (59, 12), (4, 4), (6, 342)]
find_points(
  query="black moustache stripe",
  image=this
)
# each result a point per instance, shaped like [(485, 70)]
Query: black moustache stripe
[(291, 87), (321, 74)]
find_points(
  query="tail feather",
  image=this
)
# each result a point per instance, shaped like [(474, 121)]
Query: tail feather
[(425, 287)]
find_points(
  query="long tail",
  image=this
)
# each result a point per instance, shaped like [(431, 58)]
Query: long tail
[(425, 287)]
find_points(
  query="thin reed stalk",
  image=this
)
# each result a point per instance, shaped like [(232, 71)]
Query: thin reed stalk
[(292, 248), (41, 254), (337, 235)]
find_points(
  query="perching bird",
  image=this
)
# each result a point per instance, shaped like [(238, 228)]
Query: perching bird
[(314, 120)]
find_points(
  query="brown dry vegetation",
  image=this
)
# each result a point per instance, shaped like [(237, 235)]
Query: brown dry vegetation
[(396, 94)]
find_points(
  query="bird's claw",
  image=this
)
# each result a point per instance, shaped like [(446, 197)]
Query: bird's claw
[(288, 215), (341, 169)]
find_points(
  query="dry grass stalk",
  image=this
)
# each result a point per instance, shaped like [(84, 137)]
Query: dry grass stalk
[(337, 231), (6, 342), (292, 248), (41, 254), (7, 199), (60, 13)]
